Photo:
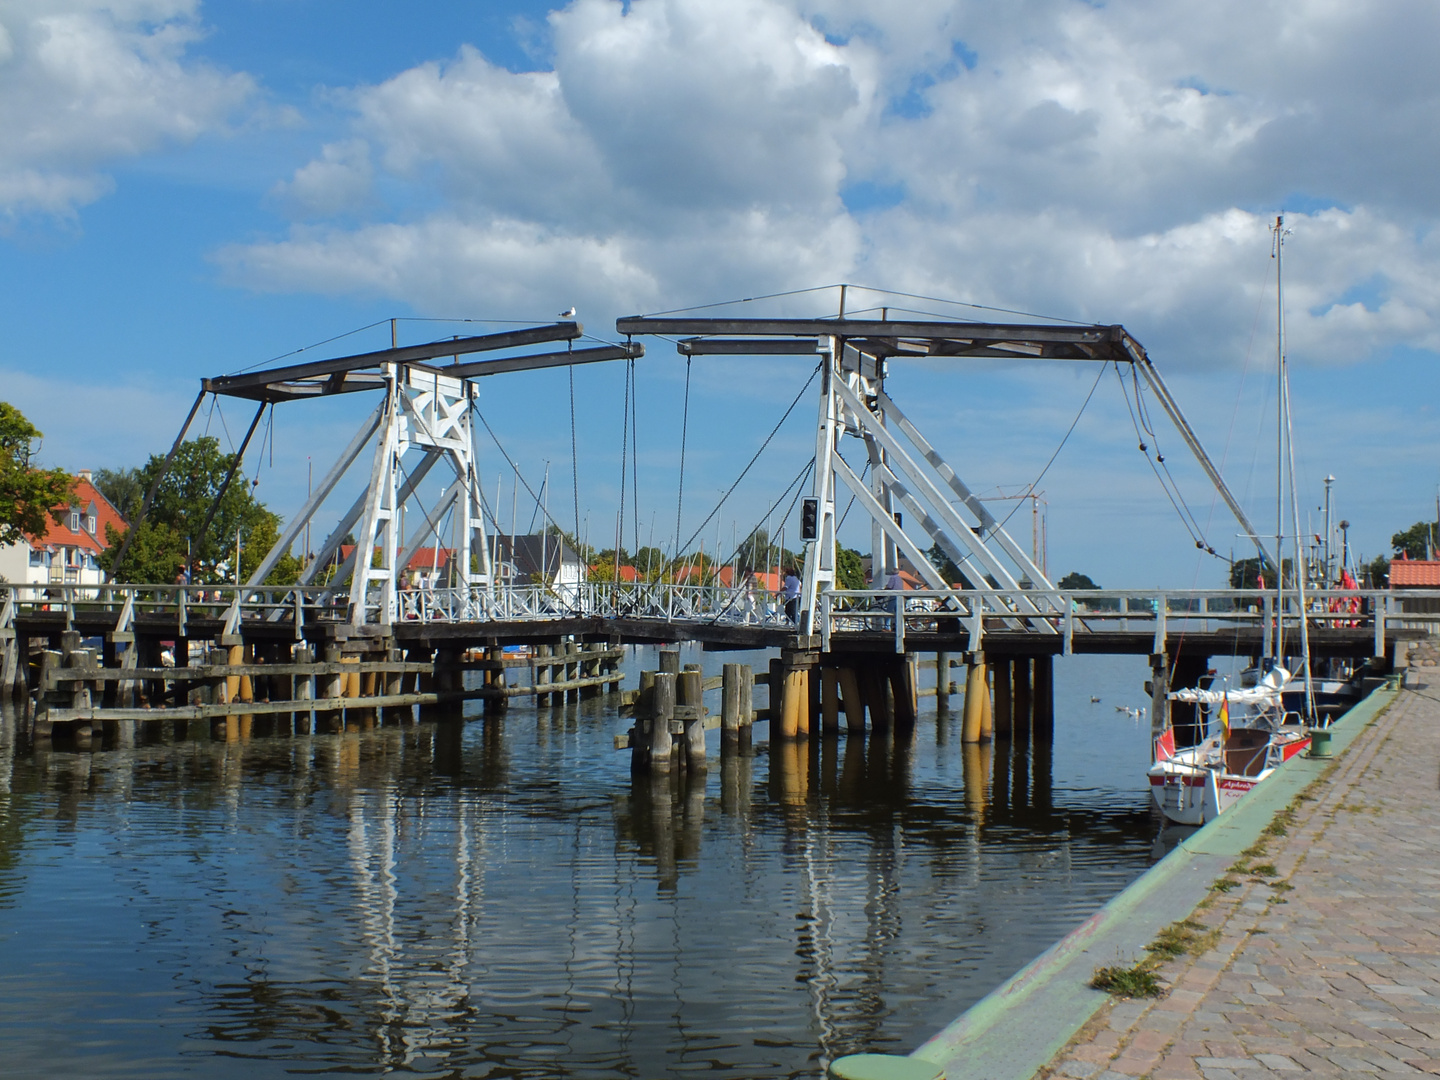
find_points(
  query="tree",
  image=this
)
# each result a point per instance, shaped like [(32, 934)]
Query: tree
[(1076, 580), (171, 535), (1376, 573), (123, 488), (849, 569), (1416, 542), (756, 552), (1248, 574), (945, 565), (650, 563), (28, 496)]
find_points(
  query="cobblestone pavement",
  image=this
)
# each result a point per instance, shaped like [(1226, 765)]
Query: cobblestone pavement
[(1324, 958)]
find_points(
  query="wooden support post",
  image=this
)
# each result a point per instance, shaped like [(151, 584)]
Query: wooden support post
[(663, 709), (854, 703), (234, 658), (776, 690), (644, 720), (942, 681), (830, 700), (1044, 700), (1004, 715), (304, 688), (974, 715), (542, 675), (572, 671), (1021, 699), (747, 703), (902, 690), (1159, 702), (987, 707), (498, 703), (670, 661), (689, 691), (729, 708), (810, 721)]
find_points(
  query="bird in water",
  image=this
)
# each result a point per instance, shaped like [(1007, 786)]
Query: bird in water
[(1094, 701)]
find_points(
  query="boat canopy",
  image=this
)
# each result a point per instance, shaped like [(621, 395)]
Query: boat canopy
[(1266, 692)]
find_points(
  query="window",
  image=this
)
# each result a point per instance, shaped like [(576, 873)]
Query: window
[(90, 524), (74, 520), (37, 557)]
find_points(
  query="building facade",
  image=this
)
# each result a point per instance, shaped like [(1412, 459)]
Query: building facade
[(69, 551)]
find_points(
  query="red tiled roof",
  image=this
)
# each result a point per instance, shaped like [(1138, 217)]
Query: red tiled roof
[(59, 535), (1415, 573), (423, 559)]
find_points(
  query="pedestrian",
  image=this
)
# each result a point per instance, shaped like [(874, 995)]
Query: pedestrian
[(792, 594)]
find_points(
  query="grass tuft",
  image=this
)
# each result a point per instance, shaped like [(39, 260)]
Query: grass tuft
[(1264, 870), (1131, 982), (1225, 885)]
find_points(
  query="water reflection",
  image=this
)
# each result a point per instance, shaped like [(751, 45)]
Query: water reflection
[(504, 898)]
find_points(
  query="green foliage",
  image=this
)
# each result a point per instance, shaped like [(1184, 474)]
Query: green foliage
[(1245, 572), (1376, 573), (756, 552), (30, 498), (849, 569), (1075, 580), (945, 565), (1131, 982), (172, 529), (123, 488), (650, 563), (1416, 542)]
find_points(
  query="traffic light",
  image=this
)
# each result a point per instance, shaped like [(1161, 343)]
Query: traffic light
[(810, 519)]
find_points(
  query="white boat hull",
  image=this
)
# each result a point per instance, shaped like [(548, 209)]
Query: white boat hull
[(1198, 784)]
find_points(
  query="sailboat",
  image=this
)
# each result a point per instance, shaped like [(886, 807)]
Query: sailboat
[(1193, 785)]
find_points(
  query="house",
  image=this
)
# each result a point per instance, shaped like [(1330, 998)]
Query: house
[(67, 552), (428, 566), (1416, 574), (536, 559)]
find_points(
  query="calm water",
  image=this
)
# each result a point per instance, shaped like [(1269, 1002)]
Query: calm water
[(506, 901)]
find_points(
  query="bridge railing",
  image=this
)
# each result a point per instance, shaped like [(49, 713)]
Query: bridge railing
[(970, 612), (973, 612)]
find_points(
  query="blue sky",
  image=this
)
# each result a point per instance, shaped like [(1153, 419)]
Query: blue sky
[(188, 188)]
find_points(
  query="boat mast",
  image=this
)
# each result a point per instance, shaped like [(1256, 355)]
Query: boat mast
[(1287, 445), (1275, 253)]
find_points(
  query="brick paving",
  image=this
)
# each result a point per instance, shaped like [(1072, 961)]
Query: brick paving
[(1330, 965)]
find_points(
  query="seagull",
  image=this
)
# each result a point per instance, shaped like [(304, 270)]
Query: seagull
[(568, 313)]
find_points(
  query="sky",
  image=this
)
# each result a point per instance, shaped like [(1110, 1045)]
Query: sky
[(191, 188)]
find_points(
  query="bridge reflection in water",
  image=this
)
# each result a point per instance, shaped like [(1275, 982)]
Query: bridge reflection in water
[(502, 898)]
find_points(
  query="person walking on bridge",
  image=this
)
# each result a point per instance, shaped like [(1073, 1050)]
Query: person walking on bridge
[(792, 594)]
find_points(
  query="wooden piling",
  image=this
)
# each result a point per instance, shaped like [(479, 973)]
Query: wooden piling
[(670, 661), (1004, 715), (942, 681), (729, 708), (850, 697), (1021, 699), (830, 700), (690, 692), (662, 710), (974, 715), (542, 671)]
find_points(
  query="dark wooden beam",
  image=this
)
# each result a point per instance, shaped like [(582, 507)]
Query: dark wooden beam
[(509, 339), (745, 347), (1088, 342), (476, 368)]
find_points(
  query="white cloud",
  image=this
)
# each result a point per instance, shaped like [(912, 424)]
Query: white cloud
[(84, 83), (1111, 162)]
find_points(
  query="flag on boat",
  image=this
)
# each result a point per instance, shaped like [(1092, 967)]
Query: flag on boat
[(1225, 717)]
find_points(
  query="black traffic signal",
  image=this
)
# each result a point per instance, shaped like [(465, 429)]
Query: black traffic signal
[(810, 519)]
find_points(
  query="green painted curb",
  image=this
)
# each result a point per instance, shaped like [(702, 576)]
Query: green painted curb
[(1021, 1026)]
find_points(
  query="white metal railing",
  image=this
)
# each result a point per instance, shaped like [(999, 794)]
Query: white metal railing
[(972, 613)]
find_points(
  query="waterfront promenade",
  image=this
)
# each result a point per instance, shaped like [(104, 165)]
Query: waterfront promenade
[(1326, 957)]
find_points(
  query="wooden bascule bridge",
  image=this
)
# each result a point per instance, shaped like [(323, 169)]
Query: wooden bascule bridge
[(359, 647)]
